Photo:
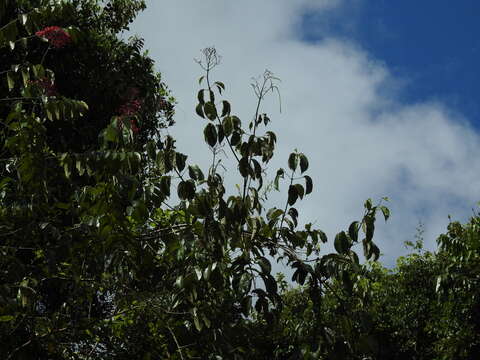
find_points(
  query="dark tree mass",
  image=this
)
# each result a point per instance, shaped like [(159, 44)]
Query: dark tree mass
[(114, 246)]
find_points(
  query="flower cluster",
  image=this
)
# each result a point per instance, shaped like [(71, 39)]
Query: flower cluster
[(46, 85), (56, 36), (129, 109)]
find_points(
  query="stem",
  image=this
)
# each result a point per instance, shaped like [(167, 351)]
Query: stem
[(44, 54), (286, 204), (218, 118), (178, 173), (176, 342), (18, 98), (261, 94)]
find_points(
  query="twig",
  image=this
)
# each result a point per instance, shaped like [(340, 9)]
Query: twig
[(176, 342)]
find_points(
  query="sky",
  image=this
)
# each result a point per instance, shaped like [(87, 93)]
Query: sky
[(432, 45), (380, 95)]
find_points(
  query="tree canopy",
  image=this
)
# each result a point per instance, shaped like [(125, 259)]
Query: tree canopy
[(114, 246)]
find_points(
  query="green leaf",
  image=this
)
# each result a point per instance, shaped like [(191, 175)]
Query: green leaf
[(270, 284), (207, 321), (195, 173), (198, 324), (236, 138), (151, 150), (210, 110), (165, 182), (308, 184), (294, 215), (74, 33), (244, 167), (67, 170), (257, 169), (140, 212), (300, 190), (186, 190), (199, 273), (199, 110), (368, 204), (292, 195), (341, 243), (385, 211), (212, 96), (25, 76), (302, 276), (274, 213), (80, 168), (200, 97), (369, 228), (6, 318), (264, 265), (280, 173), (82, 106), (353, 230), (10, 81), (220, 86), (110, 134), (237, 123), (180, 160), (226, 108), (23, 18), (221, 133), (210, 134), (438, 284), (38, 71), (227, 124), (182, 190), (303, 163), (375, 252), (246, 305), (261, 305), (293, 161)]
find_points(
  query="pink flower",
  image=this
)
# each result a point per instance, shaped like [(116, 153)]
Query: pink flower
[(56, 36)]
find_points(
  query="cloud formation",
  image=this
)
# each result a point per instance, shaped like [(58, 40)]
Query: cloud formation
[(339, 106)]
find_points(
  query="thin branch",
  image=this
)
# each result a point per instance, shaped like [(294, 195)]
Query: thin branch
[(176, 342)]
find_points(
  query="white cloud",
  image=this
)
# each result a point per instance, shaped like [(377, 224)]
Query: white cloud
[(338, 106)]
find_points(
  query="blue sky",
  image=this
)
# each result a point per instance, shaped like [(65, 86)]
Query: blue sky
[(432, 45)]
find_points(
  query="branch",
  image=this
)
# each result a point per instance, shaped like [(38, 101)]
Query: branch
[(179, 348)]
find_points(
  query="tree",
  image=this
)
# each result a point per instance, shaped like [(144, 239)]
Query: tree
[(458, 284), (70, 92), (424, 308), (98, 259)]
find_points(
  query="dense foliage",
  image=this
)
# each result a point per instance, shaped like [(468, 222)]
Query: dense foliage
[(114, 246), (427, 307)]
